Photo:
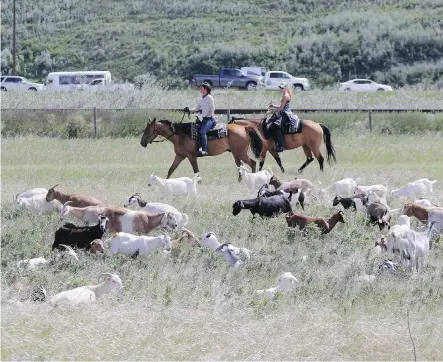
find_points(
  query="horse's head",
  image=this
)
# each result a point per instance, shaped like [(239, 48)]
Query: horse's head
[(150, 132)]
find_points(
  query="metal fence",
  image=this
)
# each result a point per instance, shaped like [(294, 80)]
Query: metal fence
[(92, 115)]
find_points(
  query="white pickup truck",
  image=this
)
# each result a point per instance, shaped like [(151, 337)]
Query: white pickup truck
[(98, 85)]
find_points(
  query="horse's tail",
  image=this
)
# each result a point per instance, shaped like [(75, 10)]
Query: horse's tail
[(256, 140), (329, 147)]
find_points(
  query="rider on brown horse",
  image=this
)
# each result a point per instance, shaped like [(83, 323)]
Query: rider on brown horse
[(207, 108)]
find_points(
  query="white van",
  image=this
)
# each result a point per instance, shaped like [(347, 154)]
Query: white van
[(75, 80), (274, 78)]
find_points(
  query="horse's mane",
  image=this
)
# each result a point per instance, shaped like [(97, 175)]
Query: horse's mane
[(176, 127)]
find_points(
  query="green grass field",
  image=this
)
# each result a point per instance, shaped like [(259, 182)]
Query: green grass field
[(189, 304)]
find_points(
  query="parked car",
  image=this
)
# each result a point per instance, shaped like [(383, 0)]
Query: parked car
[(15, 83), (229, 77), (274, 78), (363, 85)]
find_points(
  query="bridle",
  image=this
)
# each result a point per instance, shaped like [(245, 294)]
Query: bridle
[(154, 131)]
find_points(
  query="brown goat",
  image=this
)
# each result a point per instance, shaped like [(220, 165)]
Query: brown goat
[(293, 185), (419, 211), (78, 200), (325, 224), (96, 246)]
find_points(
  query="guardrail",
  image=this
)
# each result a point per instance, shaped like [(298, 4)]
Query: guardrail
[(243, 111)]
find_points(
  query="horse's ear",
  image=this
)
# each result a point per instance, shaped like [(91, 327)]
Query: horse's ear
[(149, 121), (154, 120)]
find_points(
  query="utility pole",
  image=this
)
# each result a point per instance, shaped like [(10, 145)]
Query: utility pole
[(13, 39)]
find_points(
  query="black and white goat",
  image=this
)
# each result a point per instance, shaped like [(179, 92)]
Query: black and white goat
[(79, 236), (298, 196)]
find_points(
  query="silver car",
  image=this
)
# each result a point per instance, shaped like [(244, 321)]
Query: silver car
[(15, 83), (363, 85)]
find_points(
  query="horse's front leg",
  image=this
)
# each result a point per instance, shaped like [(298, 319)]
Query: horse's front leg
[(194, 164), (177, 160)]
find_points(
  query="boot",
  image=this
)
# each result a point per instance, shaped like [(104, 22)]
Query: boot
[(279, 140)]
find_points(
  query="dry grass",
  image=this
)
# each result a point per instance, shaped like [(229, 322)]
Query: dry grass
[(190, 305)]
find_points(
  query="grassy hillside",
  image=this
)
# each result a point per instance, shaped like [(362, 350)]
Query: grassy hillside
[(398, 41)]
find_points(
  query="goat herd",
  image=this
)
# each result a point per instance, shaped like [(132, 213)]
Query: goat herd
[(274, 197)]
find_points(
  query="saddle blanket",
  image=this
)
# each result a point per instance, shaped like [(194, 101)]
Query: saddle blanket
[(192, 129), (297, 128)]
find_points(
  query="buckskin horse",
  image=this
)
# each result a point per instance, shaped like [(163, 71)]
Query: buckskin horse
[(309, 136), (235, 138)]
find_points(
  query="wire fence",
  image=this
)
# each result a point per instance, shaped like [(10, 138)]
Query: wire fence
[(121, 122)]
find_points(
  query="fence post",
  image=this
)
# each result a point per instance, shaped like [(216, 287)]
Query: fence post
[(228, 114), (370, 121), (94, 119)]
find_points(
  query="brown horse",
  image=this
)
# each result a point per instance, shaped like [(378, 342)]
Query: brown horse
[(238, 141), (310, 139)]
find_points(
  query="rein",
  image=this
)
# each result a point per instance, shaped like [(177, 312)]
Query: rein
[(164, 139)]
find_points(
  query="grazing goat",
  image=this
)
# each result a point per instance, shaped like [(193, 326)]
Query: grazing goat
[(285, 284), (79, 236), (69, 252), (425, 214), (343, 188), (358, 202), (380, 245), (87, 293), (425, 202), (96, 246), (298, 196), (264, 206), (177, 186), (298, 183), (379, 214), (325, 224), (121, 219), (157, 207), (232, 254), (415, 245), (130, 245), (387, 266), (397, 232), (35, 202), (32, 263), (419, 188), (379, 190), (77, 200), (256, 180)]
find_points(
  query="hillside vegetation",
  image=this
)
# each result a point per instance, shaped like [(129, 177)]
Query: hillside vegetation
[(396, 41)]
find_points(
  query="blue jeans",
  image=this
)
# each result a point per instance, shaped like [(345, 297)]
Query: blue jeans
[(206, 125)]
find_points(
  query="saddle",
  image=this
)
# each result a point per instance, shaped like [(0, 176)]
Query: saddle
[(285, 127)]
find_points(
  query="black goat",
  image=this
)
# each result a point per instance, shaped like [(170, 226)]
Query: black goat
[(264, 206), (379, 214), (263, 192), (346, 202), (79, 236)]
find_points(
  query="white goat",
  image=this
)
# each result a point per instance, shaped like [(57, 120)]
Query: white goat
[(32, 263), (88, 293), (342, 188), (425, 202), (397, 232), (177, 186), (134, 245), (70, 252), (158, 207), (36, 203), (232, 254), (415, 245), (379, 190), (256, 180), (419, 188), (286, 282)]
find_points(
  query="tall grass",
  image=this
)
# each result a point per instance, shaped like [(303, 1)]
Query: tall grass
[(190, 304)]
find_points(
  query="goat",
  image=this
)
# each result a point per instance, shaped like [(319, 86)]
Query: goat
[(379, 214), (397, 232), (121, 219), (27, 194), (177, 186), (129, 244), (85, 294), (415, 245), (285, 284), (425, 202), (379, 190), (343, 188), (96, 246), (387, 266), (79, 236), (325, 224), (69, 252), (358, 202), (255, 180), (32, 263), (186, 235), (420, 188), (425, 214), (35, 203), (380, 245), (298, 196), (78, 200), (298, 183), (232, 254), (264, 206), (157, 207)]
